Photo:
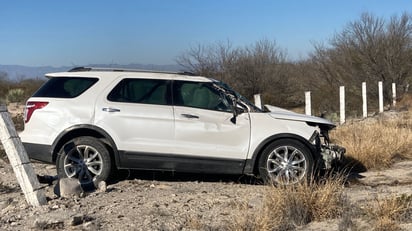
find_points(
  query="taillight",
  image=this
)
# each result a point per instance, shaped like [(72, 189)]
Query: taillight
[(31, 107)]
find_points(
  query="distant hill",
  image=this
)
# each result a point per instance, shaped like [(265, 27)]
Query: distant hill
[(18, 72)]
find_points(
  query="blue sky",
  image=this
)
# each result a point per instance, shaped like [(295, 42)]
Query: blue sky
[(67, 33)]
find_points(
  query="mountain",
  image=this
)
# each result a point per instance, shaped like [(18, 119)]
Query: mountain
[(18, 72)]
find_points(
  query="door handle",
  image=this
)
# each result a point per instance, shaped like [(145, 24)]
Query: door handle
[(109, 109), (189, 116)]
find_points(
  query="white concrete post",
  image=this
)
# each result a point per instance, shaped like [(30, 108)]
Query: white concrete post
[(308, 103), (19, 161), (258, 101), (393, 94), (380, 89), (342, 104), (364, 101)]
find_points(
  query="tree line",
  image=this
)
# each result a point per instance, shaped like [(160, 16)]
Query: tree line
[(369, 49), (17, 91)]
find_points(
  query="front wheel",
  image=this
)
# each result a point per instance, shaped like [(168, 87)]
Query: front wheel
[(84, 158), (285, 162)]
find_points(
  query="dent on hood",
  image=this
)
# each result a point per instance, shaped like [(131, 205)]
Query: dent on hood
[(280, 113)]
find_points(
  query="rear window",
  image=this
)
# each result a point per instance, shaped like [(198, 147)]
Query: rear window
[(65, 87), (146, 91)]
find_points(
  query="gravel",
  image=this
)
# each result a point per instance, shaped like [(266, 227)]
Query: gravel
[(164, 201)]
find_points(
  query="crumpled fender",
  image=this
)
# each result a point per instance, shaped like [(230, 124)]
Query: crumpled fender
[(280, 113)]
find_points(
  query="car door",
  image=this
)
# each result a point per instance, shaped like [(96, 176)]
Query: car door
[(203, 126), (138, 115)]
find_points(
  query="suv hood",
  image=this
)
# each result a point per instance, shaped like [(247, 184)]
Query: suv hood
[(280, 113)]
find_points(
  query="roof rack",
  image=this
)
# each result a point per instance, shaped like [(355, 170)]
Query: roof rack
[(77, 69)]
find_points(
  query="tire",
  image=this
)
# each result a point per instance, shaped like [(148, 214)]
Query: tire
[(84, 158), (285, 162)]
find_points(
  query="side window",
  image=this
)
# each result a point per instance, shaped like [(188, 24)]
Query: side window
[(65, 87), (147, 91), (200, 95)]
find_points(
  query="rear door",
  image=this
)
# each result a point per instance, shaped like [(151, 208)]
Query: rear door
[(137, 113)]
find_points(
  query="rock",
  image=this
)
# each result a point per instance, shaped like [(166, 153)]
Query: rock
[(91, 225), (70, 187), (44, 223), (46, 179), (102, 187), (77, 220), (5, 203)]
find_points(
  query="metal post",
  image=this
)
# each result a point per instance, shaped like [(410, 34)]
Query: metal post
[(342, 104), (308, 104), (380, 89), (258, 101), (393, 94), (364, 101)]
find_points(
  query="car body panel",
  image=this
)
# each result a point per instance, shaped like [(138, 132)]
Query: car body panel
[(211, 133), (263, 125), (166, 137)]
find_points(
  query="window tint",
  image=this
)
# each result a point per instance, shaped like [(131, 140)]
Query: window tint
[(149, 91), (65, 87), (200, 95)]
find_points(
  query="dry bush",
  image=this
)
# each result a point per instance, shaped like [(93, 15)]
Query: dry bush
[(389, 212), (286, 207), (18, 121), (194, 222), (3, 155), (404, 102), (376, 142)]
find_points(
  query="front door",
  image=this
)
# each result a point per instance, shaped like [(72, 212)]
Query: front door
[(203, 126)]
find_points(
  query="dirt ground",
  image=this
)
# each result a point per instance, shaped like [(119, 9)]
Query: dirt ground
[(142, 200), (165, 201)]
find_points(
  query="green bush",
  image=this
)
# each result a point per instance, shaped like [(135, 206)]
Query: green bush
[(15, 95)]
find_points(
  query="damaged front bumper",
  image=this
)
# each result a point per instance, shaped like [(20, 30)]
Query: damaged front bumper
[(332, 155)]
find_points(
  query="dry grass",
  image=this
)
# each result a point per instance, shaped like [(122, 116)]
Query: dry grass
[(3, 156), (387, 213), (287, 207), (376, 142)]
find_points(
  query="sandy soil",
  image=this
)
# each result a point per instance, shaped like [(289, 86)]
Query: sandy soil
[(164, 201), (139, 200)]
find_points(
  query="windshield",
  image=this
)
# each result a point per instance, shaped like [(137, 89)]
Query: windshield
[(238, 96)]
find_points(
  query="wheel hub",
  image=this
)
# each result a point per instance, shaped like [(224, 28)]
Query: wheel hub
[(286, 165)]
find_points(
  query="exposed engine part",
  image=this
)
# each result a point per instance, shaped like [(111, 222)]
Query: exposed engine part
[(332, 153)]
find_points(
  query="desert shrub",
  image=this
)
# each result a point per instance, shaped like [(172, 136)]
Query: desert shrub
[(3, 155), (387, 213), (286, 207), (376, 142), (15, 95), (18, 121)]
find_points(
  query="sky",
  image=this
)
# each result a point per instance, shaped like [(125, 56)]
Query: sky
[(81, 32)]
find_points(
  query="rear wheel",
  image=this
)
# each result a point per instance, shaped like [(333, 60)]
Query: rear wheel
[(285, 162), (84, 158)]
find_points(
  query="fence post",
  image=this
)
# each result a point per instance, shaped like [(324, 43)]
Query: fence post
[(380, 89), (364, 101), (258, 101), (393, 94), (308, 104), (19, 160), (342, 104)]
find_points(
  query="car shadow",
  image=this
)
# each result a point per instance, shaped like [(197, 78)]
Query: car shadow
[(122, 175), (350, 170)]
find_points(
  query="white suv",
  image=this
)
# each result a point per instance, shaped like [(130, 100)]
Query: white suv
[(90, 121)]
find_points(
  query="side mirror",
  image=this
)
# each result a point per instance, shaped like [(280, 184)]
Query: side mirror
[(237, 110)]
